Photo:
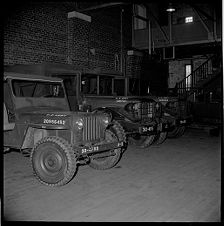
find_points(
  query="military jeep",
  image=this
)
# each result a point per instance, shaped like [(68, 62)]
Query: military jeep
[(38, 120), (141, 117), (174, 113), (94, 91), (177, 113)]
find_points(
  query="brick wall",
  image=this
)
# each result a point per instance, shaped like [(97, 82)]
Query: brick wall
[(78, 47), (34, 33), (134, 65), (41, 32), (105, 38), (177, 69)]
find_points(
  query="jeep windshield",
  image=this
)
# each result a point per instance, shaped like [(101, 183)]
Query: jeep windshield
[(38, 93), (22, 88)]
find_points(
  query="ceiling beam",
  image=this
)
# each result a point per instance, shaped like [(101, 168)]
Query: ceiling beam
[(106, 5), (201, 11), (201, 19), (151, 15)]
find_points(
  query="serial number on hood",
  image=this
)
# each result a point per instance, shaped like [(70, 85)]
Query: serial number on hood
[(54, 121)]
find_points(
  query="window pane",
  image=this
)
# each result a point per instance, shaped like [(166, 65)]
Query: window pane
[(141, 10), (119, 87), (106, 86), (187, 73), (89, 85), (188, 19), (138, 23), (133, 86)]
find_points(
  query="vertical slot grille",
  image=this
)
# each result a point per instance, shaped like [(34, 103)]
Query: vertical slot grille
[(91, 129)]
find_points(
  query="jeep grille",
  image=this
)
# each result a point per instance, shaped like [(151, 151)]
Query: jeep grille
[(92, 128), (179, 107), (146, 110)]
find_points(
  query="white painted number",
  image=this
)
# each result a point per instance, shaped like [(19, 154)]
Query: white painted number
[(54, 121)]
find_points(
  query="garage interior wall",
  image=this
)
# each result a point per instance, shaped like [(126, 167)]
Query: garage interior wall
[(34, 33), (42, 32)]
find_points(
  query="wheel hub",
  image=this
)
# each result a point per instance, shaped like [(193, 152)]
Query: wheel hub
[(52, 162)]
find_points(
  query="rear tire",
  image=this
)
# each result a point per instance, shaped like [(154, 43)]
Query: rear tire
[(160, 138), (142, 141), (53, 161), (176, 132), (114, 133)]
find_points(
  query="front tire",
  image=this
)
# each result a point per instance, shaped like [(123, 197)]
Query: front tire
[(53, 161), (110, 158)]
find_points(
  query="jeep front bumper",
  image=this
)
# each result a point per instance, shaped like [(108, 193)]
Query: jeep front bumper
[(179, 122), (183, 121), (84, 150), (153, 129)]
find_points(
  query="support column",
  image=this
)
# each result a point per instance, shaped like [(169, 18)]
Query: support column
[(121, 40), (170, 27)]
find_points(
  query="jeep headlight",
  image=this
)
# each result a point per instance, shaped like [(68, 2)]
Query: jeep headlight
[(130, 107), (106, 120), (79, 123)]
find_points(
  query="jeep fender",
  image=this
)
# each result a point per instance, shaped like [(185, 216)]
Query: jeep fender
[(32, 135), (113, 113)]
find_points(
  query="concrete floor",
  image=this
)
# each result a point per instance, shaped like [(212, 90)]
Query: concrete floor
[(178, 181)]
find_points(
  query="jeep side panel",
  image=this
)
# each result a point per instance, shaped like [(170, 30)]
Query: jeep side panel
[(33, 135), (12, 138)]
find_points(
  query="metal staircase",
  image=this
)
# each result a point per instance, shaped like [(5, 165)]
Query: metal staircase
[(200, 77), (197, 89)]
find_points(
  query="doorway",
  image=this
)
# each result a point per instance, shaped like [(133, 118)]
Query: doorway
[(188, 70)]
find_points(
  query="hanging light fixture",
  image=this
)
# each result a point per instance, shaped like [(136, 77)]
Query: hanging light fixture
[(170, 8)]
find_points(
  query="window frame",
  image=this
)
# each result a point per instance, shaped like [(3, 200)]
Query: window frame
[(189, 19), (140, 11), (188, 80)]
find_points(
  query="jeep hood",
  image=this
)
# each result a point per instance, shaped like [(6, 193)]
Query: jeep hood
[(44, 110), (112, 101)]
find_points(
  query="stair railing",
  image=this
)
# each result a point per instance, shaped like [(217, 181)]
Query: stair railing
[(202, 72)]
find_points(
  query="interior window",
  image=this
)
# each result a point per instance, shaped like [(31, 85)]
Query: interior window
[(89, 84), (105, 86), (119, 87), (139, 23), (133, 86)]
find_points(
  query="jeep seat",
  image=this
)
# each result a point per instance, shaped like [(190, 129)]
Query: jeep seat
[(7, 125)]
